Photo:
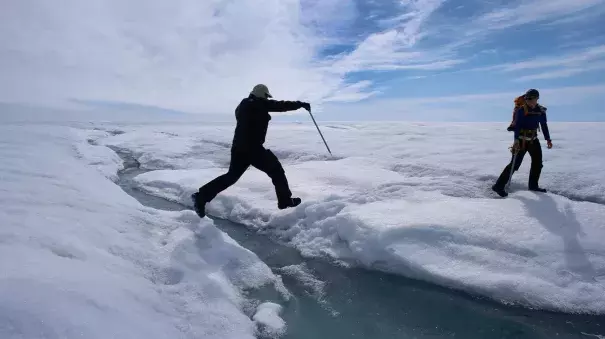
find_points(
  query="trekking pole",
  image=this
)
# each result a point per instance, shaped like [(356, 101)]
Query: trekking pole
[(322, 137), (512, 169)]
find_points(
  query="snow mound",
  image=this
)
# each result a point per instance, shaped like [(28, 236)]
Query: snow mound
[(106, 161), (539, 250), (83, 259), (158, 149)]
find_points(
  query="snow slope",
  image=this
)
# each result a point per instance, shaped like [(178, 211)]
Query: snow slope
[(80, 258), (415, 200)]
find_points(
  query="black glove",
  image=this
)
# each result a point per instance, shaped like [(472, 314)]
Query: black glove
[(306, 106)]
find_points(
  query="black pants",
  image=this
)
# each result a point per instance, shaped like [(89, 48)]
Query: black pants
[(535, 151), (262, 159)]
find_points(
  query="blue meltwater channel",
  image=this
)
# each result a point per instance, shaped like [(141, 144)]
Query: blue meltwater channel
[(334, 301)]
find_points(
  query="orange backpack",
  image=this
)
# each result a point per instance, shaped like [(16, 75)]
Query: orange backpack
[(520, 102)]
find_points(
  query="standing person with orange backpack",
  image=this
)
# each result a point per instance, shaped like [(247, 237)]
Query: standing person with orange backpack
[(528, 117)]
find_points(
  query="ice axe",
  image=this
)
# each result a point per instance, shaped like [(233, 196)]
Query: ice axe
[(322, 136)]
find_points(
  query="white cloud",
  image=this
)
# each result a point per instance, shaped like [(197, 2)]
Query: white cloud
[(189, 55), (198, 55), (392, 49), (203, 56), (353, 92)]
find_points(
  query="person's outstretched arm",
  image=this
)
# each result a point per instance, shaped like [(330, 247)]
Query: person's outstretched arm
[(285, 106)]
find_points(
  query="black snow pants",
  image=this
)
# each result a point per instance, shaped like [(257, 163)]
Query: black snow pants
[(535, 152), (260, 158)]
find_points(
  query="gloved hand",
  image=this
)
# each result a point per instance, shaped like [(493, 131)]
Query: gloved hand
[(549, 144), (305, 105)]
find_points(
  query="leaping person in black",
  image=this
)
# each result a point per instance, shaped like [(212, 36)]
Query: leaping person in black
[(527, 118), (252, 115)]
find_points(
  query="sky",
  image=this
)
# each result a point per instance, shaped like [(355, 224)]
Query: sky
[(424, 60)]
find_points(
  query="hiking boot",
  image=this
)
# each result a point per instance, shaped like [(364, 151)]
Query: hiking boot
[(290, 202), (501, 192), (199, 205), (537, 189)]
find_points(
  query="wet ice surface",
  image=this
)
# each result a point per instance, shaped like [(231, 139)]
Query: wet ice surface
[(332, 300)]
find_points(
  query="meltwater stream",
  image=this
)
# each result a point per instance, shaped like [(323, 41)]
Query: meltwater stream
[(332, 301)]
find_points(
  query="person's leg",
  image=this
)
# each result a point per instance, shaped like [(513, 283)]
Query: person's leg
[(237, 167), (535, 151), (503, 178), (267, 162), (239, 164)]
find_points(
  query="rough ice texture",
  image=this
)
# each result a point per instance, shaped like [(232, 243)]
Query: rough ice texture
[(268, 320), (415, 199), (82, 259)]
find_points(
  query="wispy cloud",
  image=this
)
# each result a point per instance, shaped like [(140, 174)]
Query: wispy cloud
[(590, 13), (468, 31), (473, 107), (552, 67), (392, 49), (552, 95), (571, 59), (564, 73), (354, 92), (523, 12)]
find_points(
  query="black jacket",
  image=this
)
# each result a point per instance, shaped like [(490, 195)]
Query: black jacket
[(253, 117)]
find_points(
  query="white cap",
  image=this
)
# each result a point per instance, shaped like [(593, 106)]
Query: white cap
[(261, 91)]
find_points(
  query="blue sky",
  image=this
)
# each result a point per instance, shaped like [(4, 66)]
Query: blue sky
[(475, 56), (427, 60)]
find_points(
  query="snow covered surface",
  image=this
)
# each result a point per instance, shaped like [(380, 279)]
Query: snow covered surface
[(412, 199), (82, 259)]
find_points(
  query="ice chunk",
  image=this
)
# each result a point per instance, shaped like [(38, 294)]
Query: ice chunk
[(268, 320)]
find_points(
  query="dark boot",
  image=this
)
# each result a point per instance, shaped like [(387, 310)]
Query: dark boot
[(501, 192), (290, 202), (498, 187), (199, 204), (537, 189), (267, 162)]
